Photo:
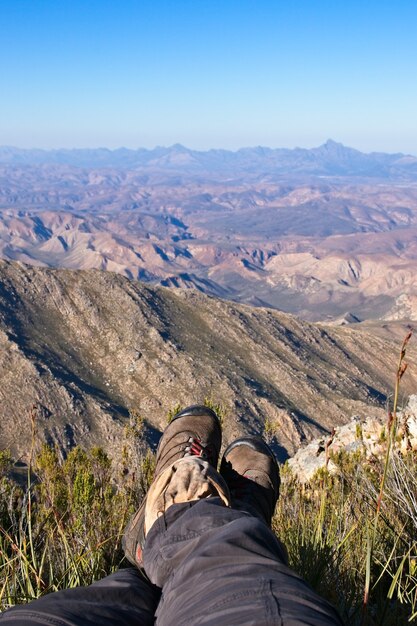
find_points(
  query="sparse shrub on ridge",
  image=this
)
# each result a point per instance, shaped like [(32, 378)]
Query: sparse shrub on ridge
[(217, 407), (173, 411), (65, 528), (269, 430)]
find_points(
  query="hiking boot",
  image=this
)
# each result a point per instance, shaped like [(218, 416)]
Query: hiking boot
[(250, 469), (193, 432)]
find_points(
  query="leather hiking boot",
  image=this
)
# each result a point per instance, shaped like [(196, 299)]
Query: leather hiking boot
[(250, 469), (193, 432)]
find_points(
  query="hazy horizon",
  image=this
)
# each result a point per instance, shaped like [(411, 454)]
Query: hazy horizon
[(227, 75), (187, 147)]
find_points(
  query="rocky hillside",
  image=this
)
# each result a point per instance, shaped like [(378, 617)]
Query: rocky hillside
[(85, 347)]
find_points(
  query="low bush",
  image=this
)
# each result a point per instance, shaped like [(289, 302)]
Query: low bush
[(64, 528)]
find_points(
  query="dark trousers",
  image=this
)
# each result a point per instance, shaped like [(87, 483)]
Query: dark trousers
[(216, 567)]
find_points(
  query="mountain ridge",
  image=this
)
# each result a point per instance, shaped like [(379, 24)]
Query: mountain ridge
[(85, 347), (331, 158)]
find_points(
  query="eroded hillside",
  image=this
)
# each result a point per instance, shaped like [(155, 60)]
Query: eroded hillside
[(87, 346), (325, 233)]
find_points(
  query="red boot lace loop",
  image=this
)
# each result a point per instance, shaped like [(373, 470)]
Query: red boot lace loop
[(196, 448)]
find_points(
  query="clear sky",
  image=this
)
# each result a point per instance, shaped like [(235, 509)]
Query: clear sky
[(208, 73)]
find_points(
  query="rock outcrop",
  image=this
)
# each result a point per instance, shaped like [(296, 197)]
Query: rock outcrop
[(369, 435)]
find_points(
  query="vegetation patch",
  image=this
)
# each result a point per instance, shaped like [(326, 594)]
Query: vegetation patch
[(352, 534)]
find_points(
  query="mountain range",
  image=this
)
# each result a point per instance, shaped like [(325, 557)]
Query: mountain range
[(329, 233), (330, 159)]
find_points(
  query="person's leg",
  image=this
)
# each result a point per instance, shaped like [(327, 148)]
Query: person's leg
[(223, 567), (194, 432), (125, 598), (217, 566)]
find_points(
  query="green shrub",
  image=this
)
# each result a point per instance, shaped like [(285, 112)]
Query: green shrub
[(65, 528), (217, 407), (173, 411)]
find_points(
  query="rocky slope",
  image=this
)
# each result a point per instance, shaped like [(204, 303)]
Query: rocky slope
[(84, 347)]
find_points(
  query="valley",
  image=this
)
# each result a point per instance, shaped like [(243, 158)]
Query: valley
[(328, 234)]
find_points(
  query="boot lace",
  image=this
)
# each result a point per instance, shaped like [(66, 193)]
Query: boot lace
[(195, 447)]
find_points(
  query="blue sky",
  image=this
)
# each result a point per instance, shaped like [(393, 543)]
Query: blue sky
[(208, 73)]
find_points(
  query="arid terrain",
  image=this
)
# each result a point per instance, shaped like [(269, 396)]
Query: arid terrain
[(86, 347), (328, 234)]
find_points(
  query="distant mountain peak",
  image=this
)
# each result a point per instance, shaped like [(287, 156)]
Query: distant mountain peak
[(331, 143), (178, 147), (336, 147)]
